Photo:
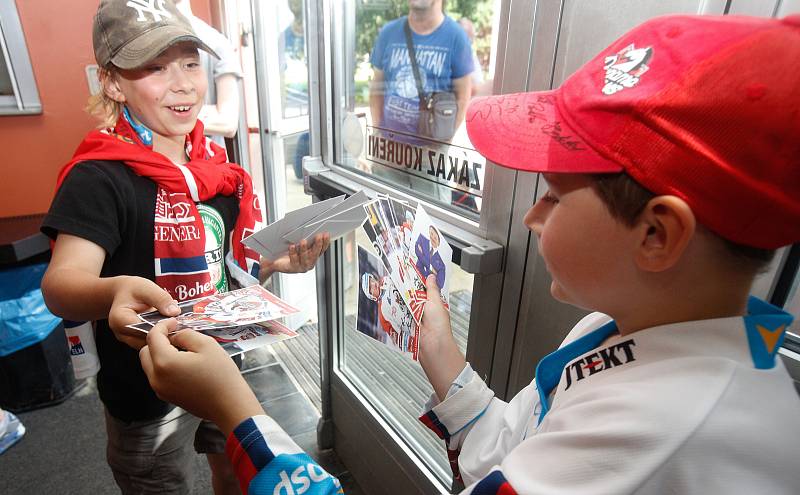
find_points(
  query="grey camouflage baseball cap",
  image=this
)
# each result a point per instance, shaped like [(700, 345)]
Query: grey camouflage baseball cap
[(130, 33)]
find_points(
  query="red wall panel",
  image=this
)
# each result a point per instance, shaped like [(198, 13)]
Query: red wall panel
[(34, 147)]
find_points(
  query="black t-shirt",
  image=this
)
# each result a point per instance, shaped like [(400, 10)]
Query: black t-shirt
[(106, 203)]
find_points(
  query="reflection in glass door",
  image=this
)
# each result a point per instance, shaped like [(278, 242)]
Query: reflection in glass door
[(282, 62), (456, 50), (376, 393)]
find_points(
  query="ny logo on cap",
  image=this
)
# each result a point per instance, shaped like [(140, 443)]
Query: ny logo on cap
[(143, 6), (624, 68)]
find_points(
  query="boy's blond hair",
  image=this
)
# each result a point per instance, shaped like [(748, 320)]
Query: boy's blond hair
[(100, 105)]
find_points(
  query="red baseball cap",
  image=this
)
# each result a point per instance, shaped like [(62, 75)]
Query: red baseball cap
[(705, 108)]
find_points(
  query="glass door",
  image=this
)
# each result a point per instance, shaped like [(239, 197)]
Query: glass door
[(279, 30), (372, 394)]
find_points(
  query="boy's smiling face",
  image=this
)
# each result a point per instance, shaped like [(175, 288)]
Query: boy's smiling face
[(167, 93), (586, 250)]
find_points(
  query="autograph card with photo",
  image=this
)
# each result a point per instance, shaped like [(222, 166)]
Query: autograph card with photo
[(267, 333), (388, 218), (236, 340), (404, 214), (245, 306), (392, 249), (382, 313), (376, 234), (242, 339), (431, 253), (385, 242), (249, 332)]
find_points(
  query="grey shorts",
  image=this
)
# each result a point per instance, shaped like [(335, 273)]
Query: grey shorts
[(158, 456)]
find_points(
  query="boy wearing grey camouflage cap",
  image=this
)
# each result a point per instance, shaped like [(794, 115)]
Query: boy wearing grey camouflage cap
[(149, 212)]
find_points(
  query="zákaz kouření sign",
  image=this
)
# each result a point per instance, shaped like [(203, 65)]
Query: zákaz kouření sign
[(447, 164)]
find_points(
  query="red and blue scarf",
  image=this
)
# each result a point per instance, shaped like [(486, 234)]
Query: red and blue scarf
[(179, 236)]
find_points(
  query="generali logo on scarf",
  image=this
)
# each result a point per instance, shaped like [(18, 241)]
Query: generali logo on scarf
[(180, 264), (625, 68), (170, 208)]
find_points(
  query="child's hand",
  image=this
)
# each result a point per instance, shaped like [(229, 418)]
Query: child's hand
[(301, 258), (435, 329), (133, 295), (438, 353), (203, 380)]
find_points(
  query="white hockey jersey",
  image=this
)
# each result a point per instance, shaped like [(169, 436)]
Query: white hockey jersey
[(689, 408)]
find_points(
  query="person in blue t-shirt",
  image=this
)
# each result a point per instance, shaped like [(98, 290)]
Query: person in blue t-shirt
[(444, 57)]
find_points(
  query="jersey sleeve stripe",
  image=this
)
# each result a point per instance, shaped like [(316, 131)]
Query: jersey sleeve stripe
[(430, 420), (494, 484), (248, 451)]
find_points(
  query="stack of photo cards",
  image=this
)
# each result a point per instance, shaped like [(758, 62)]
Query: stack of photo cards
[(239, 320), (336, 216), (409, 247), (382, 313)]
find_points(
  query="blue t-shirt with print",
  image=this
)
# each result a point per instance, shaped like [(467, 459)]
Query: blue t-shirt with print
[(443, 55)]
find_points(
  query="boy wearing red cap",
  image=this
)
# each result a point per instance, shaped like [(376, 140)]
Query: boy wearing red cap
[(672, 161), (672, 165), (149, 212)]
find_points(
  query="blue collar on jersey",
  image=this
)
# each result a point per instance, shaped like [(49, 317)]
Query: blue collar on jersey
[(766, 327), (764, 324)]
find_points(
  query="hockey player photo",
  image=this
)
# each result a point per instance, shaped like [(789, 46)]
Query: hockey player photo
[(382, 313), (252, 304), (387, 240), (431, 253)]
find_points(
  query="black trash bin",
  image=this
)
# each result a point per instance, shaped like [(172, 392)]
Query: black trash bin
[(35, 366)]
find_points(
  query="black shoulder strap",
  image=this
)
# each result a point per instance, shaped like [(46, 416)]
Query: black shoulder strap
[(412, 55)]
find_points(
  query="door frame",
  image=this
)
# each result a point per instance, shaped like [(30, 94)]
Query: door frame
[(349, 422)]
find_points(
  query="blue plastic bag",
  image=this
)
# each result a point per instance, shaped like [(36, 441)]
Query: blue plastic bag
[(24, 318)]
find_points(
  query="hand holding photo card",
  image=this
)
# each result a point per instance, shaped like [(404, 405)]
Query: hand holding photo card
[(252, 304), (269, 241), (431, 253), (236, 340), (189, 319), (387, 239), (336, 216)]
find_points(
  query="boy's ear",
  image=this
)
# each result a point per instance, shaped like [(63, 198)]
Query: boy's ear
[(111, 88), (667, 225)]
